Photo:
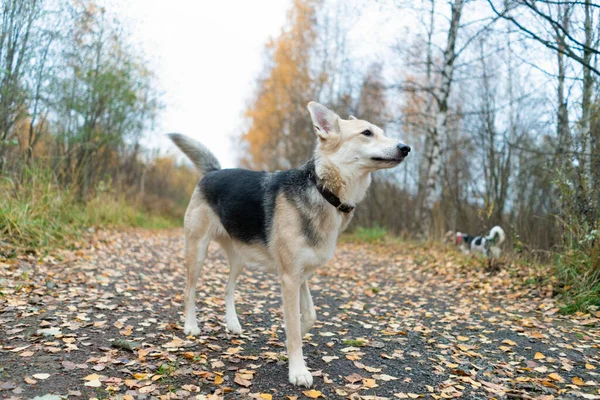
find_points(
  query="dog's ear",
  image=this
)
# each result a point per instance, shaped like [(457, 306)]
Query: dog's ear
[(352, 117), (325, 121)]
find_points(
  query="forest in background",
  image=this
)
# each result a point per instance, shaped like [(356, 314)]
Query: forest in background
[(499, 100), (76, 99)]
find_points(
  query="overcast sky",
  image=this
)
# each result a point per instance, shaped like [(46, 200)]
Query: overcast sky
[(206, 56)]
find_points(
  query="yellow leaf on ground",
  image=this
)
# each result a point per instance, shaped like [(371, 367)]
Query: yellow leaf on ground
[(218, 380), (266, 396), (313, 394), (370, 383), (539, 356), (589, 366), (555, 377), (462, 338), (509, 342), (578, 381)]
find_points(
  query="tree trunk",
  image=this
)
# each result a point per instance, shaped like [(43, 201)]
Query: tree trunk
[(440, 129)]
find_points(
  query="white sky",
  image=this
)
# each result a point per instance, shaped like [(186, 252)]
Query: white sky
[(206, 56)]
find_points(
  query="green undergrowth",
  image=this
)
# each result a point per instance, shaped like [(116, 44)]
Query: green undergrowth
[(37, 213), (367, 235), (577, 272)]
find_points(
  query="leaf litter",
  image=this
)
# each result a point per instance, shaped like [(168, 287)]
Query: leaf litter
[(438, 326)]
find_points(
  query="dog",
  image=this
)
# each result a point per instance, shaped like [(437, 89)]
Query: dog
[(286, 222), (489, 245)]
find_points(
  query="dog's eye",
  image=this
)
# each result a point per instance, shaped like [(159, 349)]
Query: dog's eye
[(367, 133)]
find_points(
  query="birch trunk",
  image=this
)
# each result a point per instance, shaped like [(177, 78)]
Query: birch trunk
[(440, 129)]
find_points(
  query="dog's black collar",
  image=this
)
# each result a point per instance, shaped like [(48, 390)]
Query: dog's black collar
[(330, 196)]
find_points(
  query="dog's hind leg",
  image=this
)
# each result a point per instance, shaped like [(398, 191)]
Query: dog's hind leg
[(195, 253), (235, 269), (197, 238), (307, 309)]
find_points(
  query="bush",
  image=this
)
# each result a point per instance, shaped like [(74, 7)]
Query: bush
[(578, 274), (578, 266), (36, 212)]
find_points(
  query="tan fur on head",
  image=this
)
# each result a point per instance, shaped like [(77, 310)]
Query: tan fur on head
[(347, 151)]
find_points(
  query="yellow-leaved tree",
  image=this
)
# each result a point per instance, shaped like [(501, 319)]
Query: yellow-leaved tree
[(278, 133)]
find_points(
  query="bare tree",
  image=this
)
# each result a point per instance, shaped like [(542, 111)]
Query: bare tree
[(440, 128)]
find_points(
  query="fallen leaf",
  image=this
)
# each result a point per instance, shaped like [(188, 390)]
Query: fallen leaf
[(578, 381), (353, 378), (241, 381), (370, 383), (313, 394), (555, 377)]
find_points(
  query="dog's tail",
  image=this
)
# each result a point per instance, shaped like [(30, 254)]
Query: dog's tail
[(199, 155), (497, 235)]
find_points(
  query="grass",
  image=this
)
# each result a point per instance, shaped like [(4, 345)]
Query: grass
[(367, 235), (577, 273), (354, 343), (38, 213)]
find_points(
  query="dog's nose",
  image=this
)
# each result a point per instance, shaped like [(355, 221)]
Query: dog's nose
[(404, 149)]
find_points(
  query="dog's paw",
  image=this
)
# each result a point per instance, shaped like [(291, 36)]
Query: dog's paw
[(301, 377), (191, 330), (233, 326)]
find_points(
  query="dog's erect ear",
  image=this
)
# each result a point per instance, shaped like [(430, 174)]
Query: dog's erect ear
[(325, 121), (352, 117)]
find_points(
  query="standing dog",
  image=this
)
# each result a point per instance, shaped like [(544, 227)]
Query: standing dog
[(287, 222), (488, 245)]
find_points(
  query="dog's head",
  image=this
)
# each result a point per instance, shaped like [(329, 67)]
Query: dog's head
[(354, 143)]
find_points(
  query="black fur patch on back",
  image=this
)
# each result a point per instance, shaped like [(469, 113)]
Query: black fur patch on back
[(237, 197), (245, 200)]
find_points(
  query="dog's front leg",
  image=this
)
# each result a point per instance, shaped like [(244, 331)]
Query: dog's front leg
[(307, 309), (298, 373)]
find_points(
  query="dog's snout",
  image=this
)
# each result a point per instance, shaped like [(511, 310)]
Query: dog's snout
[(404, 149)]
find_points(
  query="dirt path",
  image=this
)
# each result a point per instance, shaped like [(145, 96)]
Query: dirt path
[(394, 321)]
